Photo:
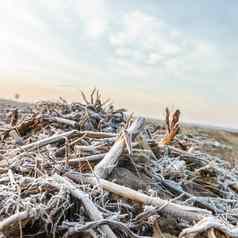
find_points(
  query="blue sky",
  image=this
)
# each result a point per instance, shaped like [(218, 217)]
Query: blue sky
[(143, 54)]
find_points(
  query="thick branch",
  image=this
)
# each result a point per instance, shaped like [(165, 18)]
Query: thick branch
[(20, 216), (76, 228), (105, 167), (46, 141), (210, 223), (57, 138), (91, 209), (176, 210)]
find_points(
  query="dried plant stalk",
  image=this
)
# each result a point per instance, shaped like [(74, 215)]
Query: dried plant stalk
[(173, 127)]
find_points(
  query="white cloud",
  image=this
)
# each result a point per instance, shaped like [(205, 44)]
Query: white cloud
[(43, 35), (90, 17), (32, 34), (94, 16), (153, 58), (148, 41), (82, 42), (148, 35)]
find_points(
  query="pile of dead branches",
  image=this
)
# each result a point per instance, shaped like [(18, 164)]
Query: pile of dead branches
[(86, 169)]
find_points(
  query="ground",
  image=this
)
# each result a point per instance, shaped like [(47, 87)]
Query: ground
[(226, 137)]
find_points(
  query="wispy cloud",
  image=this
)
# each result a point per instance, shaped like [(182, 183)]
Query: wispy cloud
[(88, 17), (36, 35), (148, 40), (150, 48)]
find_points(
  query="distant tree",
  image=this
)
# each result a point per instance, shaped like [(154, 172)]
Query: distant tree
[(16, 96)]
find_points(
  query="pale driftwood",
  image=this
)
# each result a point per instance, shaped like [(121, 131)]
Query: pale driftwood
[(2, 235), (187, 156), (18, 139), (170, 208), (64, 121), (105, 167), (234, 186), (56, 138), (36, 145), (97, 134), (76, 228), (91, 209), (82, 134), (210, 223), (89, 158), (20, 216), (46, 141)]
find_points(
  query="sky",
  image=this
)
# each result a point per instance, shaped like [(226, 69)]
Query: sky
[(143, 54)]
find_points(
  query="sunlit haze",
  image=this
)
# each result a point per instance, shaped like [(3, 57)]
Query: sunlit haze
[(144, 55)]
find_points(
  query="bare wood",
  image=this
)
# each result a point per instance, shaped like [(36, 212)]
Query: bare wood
[(64, 121), (89, 158), (14, 117), (38, 144), (172, 127), (46, 141), (82, 134), (156, 228), (105, 167), (20, 216), (234, 186), (34, 122), (56, 138), (210, 223), (53, 139), (167, 119), (23, 127), (211, 233), (91, 209), (175, 119), (170, 208), (84, 98), (97, 135), (75, 228), (18, 139)]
